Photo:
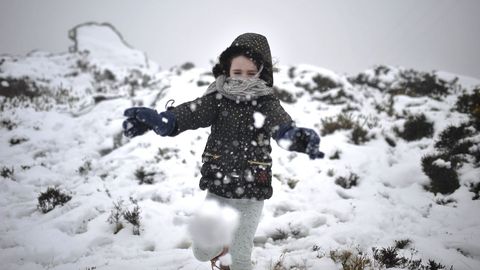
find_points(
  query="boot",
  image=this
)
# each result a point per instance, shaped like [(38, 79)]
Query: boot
[(216, 259)]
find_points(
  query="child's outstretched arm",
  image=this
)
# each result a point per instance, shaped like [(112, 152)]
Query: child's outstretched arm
[(195, 114)]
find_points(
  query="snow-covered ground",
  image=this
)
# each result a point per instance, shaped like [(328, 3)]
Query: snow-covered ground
[(72, 140)]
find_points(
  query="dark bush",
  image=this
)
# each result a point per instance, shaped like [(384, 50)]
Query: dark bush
[(442, 179), (8, 124), (202, 83), (432, 265), (470, 104), (335, 97), (7, 172), (388, 257), (451, 139), (85, 168), (347, 182), (284, 95), (103, 75), (321, 84), (133, 217), (338, 122), (475, 188), (18, 87), (116, 215), (359, 135), (187, 66), (420, 84), (48, 200), (324, 83), (416, 127), (17, 140), (144, 177), (374, 82), (401, 244), (336, 154)]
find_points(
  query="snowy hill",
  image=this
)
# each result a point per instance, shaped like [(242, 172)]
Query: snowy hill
[(400, 182)]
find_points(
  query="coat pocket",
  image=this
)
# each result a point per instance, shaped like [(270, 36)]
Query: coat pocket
[(261, 172)]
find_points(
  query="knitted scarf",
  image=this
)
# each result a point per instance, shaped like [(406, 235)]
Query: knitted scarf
[(239, 89)]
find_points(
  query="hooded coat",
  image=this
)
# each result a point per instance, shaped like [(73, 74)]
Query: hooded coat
[(236, 160)]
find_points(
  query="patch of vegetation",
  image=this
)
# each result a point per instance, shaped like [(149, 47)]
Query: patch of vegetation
[(455, 146), (372, 81), (359, 135), (388, 257), (103, 75), (166, 154), (321, 84), (421, 84), (25, 87), (52, 198), (441, 169), (336, 155), (345, 121), (347, 182), (284, 95), (187, 66), (416, 127), (341, 121), (7, 172), (201, 83), (295, 231), (475, 188), (17, 140), (118, 215), (350, 260), (7, 123), (144, 177), (470, 104), (133, 217), (85, 168), (402, 244), (335, 97), (378, 258)]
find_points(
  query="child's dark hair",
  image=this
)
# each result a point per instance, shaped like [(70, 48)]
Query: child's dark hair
[(225, 61)]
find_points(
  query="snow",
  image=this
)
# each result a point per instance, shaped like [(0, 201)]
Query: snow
[(259, 119), (212, 215), (78, 147)]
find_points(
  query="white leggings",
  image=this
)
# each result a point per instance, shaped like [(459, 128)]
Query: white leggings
[(250, 212)]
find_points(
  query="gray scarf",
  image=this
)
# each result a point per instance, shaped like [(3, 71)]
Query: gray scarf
[(239, 89)]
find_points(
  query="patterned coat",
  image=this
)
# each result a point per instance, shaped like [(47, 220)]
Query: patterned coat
[(236, 159)]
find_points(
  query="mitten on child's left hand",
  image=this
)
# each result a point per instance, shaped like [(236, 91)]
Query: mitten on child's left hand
[(303, 140), (132, 127)]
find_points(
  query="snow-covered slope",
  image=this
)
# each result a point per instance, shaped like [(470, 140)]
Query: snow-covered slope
[(61, 117)]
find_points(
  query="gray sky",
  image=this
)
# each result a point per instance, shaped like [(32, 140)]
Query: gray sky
[(341, 35)]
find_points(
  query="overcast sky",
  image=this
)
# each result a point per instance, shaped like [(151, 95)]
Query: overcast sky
[(344, 36)]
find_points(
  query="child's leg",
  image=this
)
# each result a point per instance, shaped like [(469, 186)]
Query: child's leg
[(242, 244), (250, 212)]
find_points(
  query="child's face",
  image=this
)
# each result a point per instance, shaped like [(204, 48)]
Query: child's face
[(242, 68)]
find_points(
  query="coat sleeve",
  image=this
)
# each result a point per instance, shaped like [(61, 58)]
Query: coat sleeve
[(194, 114), (275, 116)]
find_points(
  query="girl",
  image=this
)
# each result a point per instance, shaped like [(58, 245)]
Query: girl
[(236, 169)]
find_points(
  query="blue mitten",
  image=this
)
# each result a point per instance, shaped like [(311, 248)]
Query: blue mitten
[(304, 140), (132, 127), (162, 123)]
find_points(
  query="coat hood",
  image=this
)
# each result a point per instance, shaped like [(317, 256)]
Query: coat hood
[(251, 45)]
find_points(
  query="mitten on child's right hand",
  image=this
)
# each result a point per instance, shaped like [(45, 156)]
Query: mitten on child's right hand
[(132, 127), (162, 123)]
